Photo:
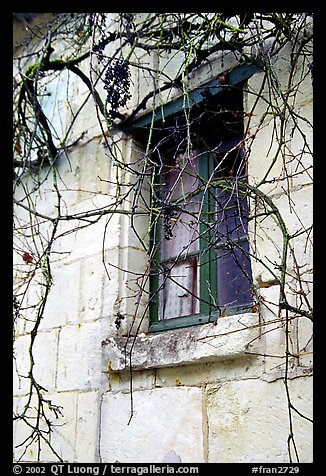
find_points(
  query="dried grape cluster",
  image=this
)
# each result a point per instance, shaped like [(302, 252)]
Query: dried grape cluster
[(118, 320), (117, 85), (168, 212)]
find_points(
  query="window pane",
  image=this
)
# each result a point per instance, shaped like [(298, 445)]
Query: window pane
[(179, 175), (234, 286), (231, 214), (179, 233), (179, 280), (179, 229), (179, 283)]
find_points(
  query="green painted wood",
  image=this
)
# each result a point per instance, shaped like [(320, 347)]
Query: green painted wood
[(154, 277), (198, 319), (180, 322), (208, 268)]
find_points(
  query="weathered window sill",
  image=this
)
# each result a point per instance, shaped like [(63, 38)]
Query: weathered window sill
[(228, 338)]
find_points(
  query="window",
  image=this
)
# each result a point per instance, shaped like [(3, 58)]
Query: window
[(201, 266), (200, 260)]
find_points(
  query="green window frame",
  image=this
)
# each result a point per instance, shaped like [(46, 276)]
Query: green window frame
[(209, 303), (206, 269)]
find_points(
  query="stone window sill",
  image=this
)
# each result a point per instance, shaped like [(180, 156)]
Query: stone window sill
[(227, 338)]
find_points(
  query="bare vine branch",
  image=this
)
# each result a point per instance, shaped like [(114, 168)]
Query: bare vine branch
[(106, 55)]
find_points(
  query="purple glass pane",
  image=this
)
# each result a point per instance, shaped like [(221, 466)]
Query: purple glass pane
[(234, 286), (231, 214)]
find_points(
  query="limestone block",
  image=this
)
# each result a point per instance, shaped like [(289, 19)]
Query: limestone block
[(300, 290), (303, 79), (94, 167), (265, 161), (44, 354), (262, 140), (64, 290), (300, 164), (298, 217), (231, 337), (273, 339), (20, 216), (21, 365), (19, 326), (135, 281), (67, 179), (55, 103), (250, 366), (298, 214), (266, 239), (19, 428), (71, 106), (305, 291), (43, 199), (305, 344), (248, 421), (87, 119), (135, 229), (46, 197), (91, 277), (75, 240), (300, 330), (62, 438), (300, 170), (142, 81), (79, 355), (45, 357), (63, 248), (89, 236), (87, 427), (164, 420), (29, 297), (120, 381), (25, 449), (171, 457), (75, 430), (111, 287)]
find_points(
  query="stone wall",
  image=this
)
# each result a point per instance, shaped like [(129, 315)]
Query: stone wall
[(212, 393)]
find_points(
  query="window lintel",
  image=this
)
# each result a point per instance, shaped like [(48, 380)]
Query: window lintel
[(138, 126)]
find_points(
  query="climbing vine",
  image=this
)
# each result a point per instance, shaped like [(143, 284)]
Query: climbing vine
[(107, 55)]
